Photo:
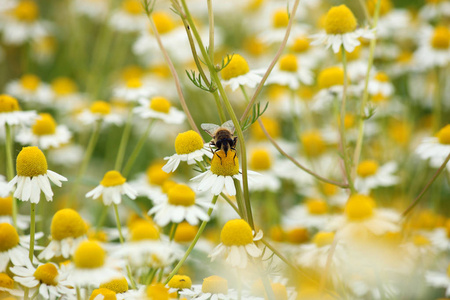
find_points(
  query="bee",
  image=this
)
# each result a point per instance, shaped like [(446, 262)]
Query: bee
[(223, 138)]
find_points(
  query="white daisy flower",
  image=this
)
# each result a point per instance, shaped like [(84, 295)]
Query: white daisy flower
[(237, 73), (11, 114), (133, 90), (4, 190), (13, 248), (261, 160), (289, 73), (434, 48), (213, 287), (33, 177), (435, 9), (100, 111), (440, 238), (439, 279), (29, 88), (6, 211), (237, 243), (66, 95), (96, 10), (436, 148), (130, 17), (331, 84), (153, 183), (111, 188), (159, 108), (314, 213), (119, 286), (66, 155), (7, 286), (380, 84), (371, 175), (179, 283)]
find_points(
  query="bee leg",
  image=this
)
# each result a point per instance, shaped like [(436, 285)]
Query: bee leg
[(219, 157), (234, 157)]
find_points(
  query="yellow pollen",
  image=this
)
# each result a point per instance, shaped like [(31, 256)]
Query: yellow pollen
[(313, 144), (131, 72), (45, 125), (47, 274), (260, 160), (444, 135), (100, 107), (280, 19), (382, 77), (225, 165), (30, 82), (6, 206), (185, 232), (367, 168), (420, 240), (330, 77), (157, 291), (340, 20), (113, 178), (188, 142), (323, 239), (181, 194), (236, 67), (215, 285), (180, 282), (271, 125), (8, 104), (385, 7), (301, 44), (288, 63), (297, 235), (160, 104), (144, 230), (359, 207), (6, 281), (63, 86), (26, 11), (134, 83), (133, 7), (9, 238), (236, 233), (89, 255), (441, 38), (329, 189), (163, 22), (67, 223), (31, 162), (317, 206), (167, 185), (117, 285), (106, 293), (156, 175)]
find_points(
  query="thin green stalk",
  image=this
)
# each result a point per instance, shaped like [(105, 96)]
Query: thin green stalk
[(173, 230), (161, 273), (194, 242), (244, 92), (124, 141), (437, 105), (150, 276), (211, 30), (240, 200), (10, 168), (32, 230)]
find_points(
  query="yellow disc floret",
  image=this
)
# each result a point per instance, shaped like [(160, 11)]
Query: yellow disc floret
[(260, 160), (31, 162), (359, 207), (180, 282), (26, 11), (313, 143), (339, 20), (6, 281), (67, 223), (47, 274), (163, 22), (297, 235), (89, 255), (441, 38), (133, 7), (63, 86), (329, 189), (157, 291), (132, 71), (301, 44), (156, 175), (385, 6), (323, 238), (330, 77), (188, 142), (117, 285), (382, 77), (181, 194), (167, 185), (225, 165), (8, 104), (271, 125), (185, 232), (106, 293), (113, 178), (215, 285), (45, 125), (444, 135), (280, 18), (316, 206), (420, 240), (367, 168), (288, 63), (236, 233), (144, 230), (160, 104), (237, 66), (30, 82), (100, 107), (9, 238), (134, 83), (6, 206)]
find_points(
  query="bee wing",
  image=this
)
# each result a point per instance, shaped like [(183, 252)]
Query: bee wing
[(229, 125), (210, 128)]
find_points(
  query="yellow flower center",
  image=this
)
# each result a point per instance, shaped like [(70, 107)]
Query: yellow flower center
[(64, 86), (160, 104), (276, 233), (156, 175), (113, 178), (340, 20), (441, 38), (367, 168), (323, 238), (31, 162), (351, 56), (133, 71), (117, 285), (317, 206), (100, 107), (67, 223), (144, 230), (444, 135), (260, 159), (47, 274), (30, 82), (157, 291), (225, 165), (133, 7), (45, 125), (313, 144), (271, 125), (6, 281), (188, 142), (215, 285), (385, 7), (163, 22), (420, 240), (185, 232), (180, 282), (167, 185), (8, 104), (306, 93), (181, 194), (400, 132), (9, 238), (382, 77), (288, 63), (405, 57), (301, 44), (134, 83), (236, 67), (26, 11), (297, 235), (106, 293), (254, 46), (6, 206), (359, 207), (280, 18), (236, 233), (89, 255), (379, 98), (330, 77), (329, 189)]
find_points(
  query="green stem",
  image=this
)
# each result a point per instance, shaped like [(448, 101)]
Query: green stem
[(211, 30), (32, 230), (124, 141), (10, 168), (173, 230), (437, 102), (239, 199), (151, 275), (244, 92)]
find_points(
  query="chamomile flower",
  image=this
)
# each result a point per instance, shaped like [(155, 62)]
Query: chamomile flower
[(68, 230), (7, 287), (314, 213), (237, 73), (261, 160), (340, 30), (45, 133), (330, 82), (371, 175), (380, 84), (11, 114), (436, 148), (46, 278), (29, 88), (440, 237), (213, 287), (4, 190), (12, 248), (96, 10), (66, 95), (237, 243), (179, 283), (434, 48), (133, 90), (130, 17), (154, 182), (100, 111), (119, 286), (159, 108), (439, 279), (111, 188), (290, 73), (6, 212), (102, 293), (316, 254), (276, 20), (189, 147), (434, 9), (33, 177)]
